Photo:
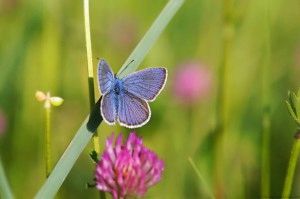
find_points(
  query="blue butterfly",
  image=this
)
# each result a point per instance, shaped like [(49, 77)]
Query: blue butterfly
[(125, 100)]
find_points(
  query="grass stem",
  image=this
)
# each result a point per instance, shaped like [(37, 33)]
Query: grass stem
[(48, 140), (291, 169), (265, 162), (189, 116), (96, 140), (90, 68), (221, 102)]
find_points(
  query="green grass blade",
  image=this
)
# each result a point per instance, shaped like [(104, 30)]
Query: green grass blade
[(290, 175), (83, 136), (5, 191), (140, 51), (201, 178)]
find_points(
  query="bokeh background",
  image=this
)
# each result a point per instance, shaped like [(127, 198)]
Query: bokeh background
[(42, 47)]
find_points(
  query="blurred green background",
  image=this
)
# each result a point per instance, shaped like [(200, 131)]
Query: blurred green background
[(42, 47)]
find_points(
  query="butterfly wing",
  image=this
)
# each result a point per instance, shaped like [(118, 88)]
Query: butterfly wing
[(105, 77), (108, 107), (147, 83), (133, 111)]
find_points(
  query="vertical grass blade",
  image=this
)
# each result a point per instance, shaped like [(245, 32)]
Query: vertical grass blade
[(150, 37), (48, 159), (88, 43), (88, 38), (288, 183), (221, 103), (5, 191), (83, 136)]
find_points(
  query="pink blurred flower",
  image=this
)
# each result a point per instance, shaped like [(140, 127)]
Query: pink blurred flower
[(192, 82), (127, 169), (3, 123), (9, 6)]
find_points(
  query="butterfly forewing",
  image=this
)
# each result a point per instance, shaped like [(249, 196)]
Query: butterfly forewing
[(146, 84), (108, 107), (132, 111), (105, 77)]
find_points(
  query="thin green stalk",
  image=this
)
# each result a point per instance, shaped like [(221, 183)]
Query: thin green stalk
[(5, 191), (202, 180), (83, 136), (88, 41), (65, 163), (189, 113), (266, 120), (189, 129), (265, 162), (90, 68), (48, 140), (221, 102), (291, 168)]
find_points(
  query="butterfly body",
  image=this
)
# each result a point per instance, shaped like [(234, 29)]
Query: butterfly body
[(117, 90), (118, 85), (125, 100)]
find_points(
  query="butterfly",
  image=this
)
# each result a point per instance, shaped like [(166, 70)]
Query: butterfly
[(125, 100)]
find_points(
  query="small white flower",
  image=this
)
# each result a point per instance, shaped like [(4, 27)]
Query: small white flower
[(48, 100)]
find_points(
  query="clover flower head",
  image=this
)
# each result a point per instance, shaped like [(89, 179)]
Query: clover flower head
[(127, 169)]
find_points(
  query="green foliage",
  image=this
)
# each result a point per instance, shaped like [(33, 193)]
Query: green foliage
[(64, 165), (94, 156), (5, 191), (293, 105), (43, 48)]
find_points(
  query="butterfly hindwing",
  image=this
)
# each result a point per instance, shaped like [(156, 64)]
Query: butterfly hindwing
[(133, 111), (147, 83), (105, 77), (108, 107)]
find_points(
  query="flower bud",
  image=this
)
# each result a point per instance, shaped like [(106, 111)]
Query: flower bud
[(56, 101), (40, 96)]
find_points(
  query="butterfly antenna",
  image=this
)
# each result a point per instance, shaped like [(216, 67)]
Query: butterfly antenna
[(126, 67)]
